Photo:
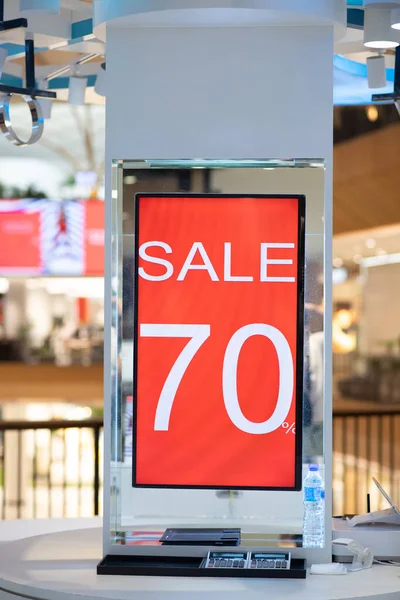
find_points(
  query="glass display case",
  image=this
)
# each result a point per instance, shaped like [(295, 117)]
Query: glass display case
[(205, 477)]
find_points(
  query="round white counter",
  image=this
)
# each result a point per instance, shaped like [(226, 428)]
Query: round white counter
[(62, 566)]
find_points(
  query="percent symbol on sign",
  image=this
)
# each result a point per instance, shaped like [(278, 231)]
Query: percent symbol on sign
[(288, 427)]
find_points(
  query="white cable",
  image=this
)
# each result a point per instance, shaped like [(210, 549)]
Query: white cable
[(388, 563)]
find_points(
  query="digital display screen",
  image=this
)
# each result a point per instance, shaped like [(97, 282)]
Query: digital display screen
[(20, 242), (218, 341), (234, 555), (45, 237), (269, 556)]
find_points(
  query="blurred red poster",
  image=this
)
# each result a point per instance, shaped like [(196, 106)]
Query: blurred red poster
[(94, 237), (219, 336), (20, 242)]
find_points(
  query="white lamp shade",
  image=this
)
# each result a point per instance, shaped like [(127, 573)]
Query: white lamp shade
[(378, 32), (50, 7), (396, 18), (3, 56), (376, 69), (77, 89), (100, 85), (46, 104)]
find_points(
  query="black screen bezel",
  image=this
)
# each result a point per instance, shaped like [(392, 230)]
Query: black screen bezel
[(301, 199)]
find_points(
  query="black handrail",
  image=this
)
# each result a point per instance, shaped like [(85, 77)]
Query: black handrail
[(18, 428), (364, 445)]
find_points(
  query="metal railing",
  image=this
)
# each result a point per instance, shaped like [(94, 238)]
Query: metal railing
[(365, 445), (53, 468), (50, 468)]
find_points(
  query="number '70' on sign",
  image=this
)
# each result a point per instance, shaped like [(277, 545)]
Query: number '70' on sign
[(198, 334)]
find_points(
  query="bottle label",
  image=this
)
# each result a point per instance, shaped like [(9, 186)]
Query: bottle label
[(312, 494)]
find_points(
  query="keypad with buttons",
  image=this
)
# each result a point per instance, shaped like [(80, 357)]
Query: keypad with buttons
[(266, 560), (226, 560), (248, 560)]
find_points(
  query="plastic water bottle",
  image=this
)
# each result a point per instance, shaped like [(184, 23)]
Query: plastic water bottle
[(314, 509)]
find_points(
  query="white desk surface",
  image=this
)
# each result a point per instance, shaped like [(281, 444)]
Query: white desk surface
[(62, 566), (24, 528)]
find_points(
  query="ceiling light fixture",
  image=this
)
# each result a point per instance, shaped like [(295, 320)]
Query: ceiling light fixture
[(382, 259), (77, 90), (45, 103), (337, 262), (370, 243), (378, 31), (29, 93), (372, 113), (396, 18), (339, 275), (376, 71), (36, 115)]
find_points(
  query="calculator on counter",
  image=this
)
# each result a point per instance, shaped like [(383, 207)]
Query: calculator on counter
[(268, 560), (227, 560), (248, 560)]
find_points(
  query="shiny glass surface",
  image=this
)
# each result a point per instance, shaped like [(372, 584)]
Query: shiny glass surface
[(138, 517)]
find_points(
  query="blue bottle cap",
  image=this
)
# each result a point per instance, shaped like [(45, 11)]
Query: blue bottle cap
[(313, 467)]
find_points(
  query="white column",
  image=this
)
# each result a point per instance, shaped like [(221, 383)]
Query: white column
[(237, 92), (248, 83)]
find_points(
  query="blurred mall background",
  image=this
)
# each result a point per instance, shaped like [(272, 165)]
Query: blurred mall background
[(51, 310)]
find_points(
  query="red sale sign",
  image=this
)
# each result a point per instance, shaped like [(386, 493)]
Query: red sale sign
[(20, 242), (219, 341), (94, 237), (46, 237)]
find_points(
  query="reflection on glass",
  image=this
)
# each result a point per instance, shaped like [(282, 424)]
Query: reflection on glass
[(140, 516)]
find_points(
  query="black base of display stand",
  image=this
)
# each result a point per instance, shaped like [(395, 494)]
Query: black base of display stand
[(188, 566)]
